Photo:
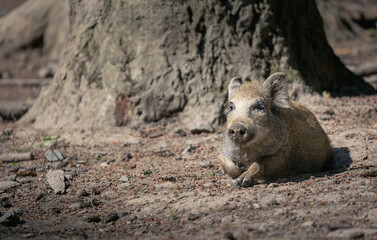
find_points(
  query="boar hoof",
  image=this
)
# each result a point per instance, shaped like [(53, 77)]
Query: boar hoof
[(243, 182)]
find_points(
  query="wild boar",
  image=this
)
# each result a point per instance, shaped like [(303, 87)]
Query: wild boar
[(268, 136)]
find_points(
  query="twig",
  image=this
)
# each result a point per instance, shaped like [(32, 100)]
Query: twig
[(31, 145), (17, 157)]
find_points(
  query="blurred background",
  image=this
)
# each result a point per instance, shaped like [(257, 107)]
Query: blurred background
[(34, 33)]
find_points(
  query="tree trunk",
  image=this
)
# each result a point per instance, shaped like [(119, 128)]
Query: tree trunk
[(36, 23), (130, 62)]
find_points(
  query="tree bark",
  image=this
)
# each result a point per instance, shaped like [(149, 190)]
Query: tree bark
[(36, 23), (130, 62)]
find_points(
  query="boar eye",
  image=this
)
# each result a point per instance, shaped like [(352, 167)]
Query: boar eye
[(259, 106), (230, 107)]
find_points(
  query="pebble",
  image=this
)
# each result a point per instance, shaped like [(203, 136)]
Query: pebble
[(127, 156), (39, 196), (95, 191), (180, 132), (123, 178), (206, 164), (308, 224), (164, 153), (256, 205), (48, 71), (94, 219), (168, 178), (11, 217), (271, 202), (54, 155), (4, 201), (208, 185), (189, 149), (6, 185), (111, 217), (227, 219), (56, 180), (82, 193), (124, 185), (75, 205), (28, 235)]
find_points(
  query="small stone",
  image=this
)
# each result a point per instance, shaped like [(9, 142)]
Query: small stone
[(55, 210), (111, 217), (103, 164), (165, 153), (82, 193), (308, 224), (206, 164), (271, 202), (124, 185), (227, 219), (110, 161), (54, 155), (127, 157), (256, 205), (56, 180), (329, 112), (28, 235), (94, 219), (48, 71), (95, 191), (124, 179), (4, 201), (75, 205), (6, 185), (168, 178), (39, 196), (189, 149), (11, 217), (273, 185), (180, 132), (208, 185)]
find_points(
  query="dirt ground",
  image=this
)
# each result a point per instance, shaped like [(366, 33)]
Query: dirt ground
[(165, 183)]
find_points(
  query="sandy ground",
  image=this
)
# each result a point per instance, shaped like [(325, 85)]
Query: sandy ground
[(162, 184)]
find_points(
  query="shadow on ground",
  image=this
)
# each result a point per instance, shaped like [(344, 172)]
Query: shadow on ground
[(340, 163)]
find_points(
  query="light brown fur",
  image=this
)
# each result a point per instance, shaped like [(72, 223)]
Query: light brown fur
[(282, 136)]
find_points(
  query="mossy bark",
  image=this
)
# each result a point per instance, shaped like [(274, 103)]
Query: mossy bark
[(131, 62)]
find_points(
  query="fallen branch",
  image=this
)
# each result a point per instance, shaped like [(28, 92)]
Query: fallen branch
[(16, 157)]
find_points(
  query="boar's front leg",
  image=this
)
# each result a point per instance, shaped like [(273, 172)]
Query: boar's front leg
[(249, 177)]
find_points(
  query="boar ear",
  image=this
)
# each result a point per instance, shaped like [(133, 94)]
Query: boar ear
[(275, 90), (234, 85)]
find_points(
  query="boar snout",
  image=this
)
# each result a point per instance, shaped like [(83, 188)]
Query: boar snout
[(238, 133)]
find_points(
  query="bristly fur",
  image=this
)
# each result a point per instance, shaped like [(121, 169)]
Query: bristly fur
[(279, 137), (275, 89)]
